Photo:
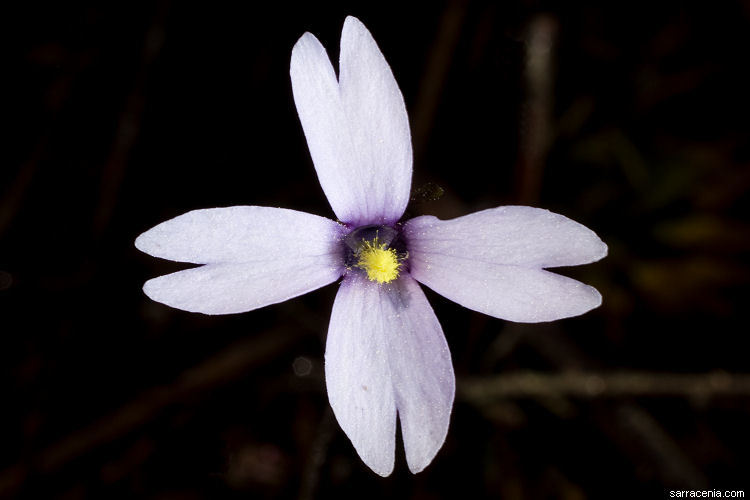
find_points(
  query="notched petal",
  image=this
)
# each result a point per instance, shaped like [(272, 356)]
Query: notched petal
[(386, 353), (356, 126), (492, 261), (255, 256)]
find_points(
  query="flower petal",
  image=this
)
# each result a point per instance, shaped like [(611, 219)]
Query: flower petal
[(357, 128), (241, 234), (379, 123), (235, 288), (491, 261), (255, 256), (514, 293), (321, 112), (511, 235), (358, 375), (385, 353)]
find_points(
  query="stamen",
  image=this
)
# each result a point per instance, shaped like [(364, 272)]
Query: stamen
[(379, 262)]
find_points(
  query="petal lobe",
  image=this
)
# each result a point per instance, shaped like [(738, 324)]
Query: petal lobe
[(356, 126), (386, 354)]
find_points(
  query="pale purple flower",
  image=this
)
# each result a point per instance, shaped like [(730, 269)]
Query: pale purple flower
[(385, 353)]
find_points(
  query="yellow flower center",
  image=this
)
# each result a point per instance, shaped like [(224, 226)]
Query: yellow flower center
[(380, 262)]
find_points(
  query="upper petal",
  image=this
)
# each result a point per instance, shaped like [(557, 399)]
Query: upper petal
[(324, 121), (255, 256), (357, 128), (385, 353), (241, 234), (510, 235), (379, 123)]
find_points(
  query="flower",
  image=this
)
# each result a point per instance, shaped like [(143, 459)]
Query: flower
[(385, 352)]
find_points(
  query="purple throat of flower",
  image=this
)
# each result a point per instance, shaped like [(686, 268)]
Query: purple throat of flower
[(377, 252)]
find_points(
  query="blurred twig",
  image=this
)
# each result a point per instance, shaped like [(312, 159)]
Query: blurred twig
[(675, 466), (218, 370), (10, 204), (603, 385), (317, 457), (13, 197), (535, 139), (627, 424), (435, 73), (129, 122)]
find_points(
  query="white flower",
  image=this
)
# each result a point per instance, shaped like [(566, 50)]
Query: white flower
[(385, 353)]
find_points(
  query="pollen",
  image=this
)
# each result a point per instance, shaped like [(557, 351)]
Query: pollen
[(379, 262)]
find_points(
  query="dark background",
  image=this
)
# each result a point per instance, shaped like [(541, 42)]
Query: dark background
[(631, 118)]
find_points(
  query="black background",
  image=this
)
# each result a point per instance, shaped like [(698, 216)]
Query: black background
[(124, 115)]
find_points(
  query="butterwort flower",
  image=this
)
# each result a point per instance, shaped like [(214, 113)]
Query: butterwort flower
[(386, 356)]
